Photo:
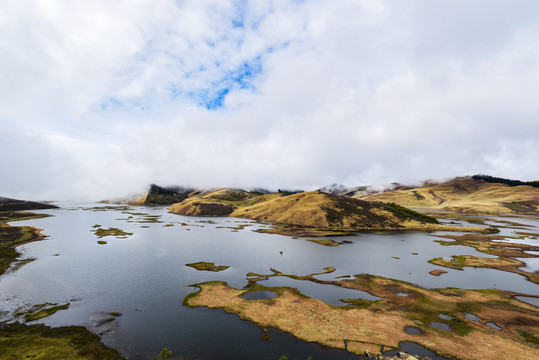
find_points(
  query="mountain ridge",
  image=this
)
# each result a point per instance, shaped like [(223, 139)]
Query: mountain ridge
[(469, 194)]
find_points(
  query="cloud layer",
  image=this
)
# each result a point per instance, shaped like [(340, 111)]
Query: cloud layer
[(100, 99)]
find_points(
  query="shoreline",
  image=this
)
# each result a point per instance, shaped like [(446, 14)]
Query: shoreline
[(361, 324), (30, 340)]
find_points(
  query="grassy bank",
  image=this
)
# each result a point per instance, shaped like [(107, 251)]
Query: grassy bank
[(18, 341), (370, 325), (12, 236)]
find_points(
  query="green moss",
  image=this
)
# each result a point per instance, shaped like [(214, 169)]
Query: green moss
[(44, 312), (11, 236), (101, 242), (20, 263), (7, 256), (325, 242), (100, 232), (529, 337), (207, 266), (42, 342)]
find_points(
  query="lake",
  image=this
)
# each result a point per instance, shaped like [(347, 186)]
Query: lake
[(143, 276)]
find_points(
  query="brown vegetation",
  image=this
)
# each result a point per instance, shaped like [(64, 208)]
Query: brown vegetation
[(465, 194), (309, 211), (368, 325)]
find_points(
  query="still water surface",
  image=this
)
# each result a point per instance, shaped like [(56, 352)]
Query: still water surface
[(144, 277)]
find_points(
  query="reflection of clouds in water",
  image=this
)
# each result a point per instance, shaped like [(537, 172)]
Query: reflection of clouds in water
[(102, 323), (532, 264), (528, 300)]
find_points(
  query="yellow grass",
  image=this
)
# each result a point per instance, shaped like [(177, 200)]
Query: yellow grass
[(499, 263), (461, 194), (303, 209), (311, 209), (315, 321), (139, 201)]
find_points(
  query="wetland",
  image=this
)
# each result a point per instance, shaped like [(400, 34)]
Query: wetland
[(375, 291)]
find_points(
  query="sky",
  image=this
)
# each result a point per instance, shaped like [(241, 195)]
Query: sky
[(99, 99)]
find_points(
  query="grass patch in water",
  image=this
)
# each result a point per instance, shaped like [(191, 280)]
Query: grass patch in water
[(437, 272), (325, 242), (119, 233), (43, 311), (207, 266), (101, 242), (11, 236)]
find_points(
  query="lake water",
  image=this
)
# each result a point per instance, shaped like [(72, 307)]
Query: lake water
[(144, 277)]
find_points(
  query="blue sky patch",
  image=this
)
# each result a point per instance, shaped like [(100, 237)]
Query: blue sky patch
[(216, 101), (240, 78)]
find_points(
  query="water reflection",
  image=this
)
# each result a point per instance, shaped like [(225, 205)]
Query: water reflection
[(145, 278)]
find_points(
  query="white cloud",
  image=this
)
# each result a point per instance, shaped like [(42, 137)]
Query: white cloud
[(302, 93)]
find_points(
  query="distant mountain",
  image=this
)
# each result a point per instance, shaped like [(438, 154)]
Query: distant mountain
[(475, 194), (339, 189), (7, 204), (158, 195), (498, 180)]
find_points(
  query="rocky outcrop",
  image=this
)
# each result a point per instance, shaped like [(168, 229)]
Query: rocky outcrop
[(158, 195)]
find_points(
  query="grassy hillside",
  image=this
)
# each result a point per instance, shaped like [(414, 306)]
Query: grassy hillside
[(218, 202), (321, 210), (313, 209), (158, 195), (466, 194)]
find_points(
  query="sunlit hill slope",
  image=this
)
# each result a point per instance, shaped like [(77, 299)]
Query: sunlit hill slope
[(313, 209), (465, 194)]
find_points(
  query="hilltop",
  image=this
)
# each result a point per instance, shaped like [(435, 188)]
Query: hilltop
[(314, 209), (471, 194), (158, 195)]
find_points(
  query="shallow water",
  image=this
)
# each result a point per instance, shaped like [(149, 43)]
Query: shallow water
[(529, 300), (413, 348), (330, 294), (472, 317), (494, 326), (258, 295), (144, 277), (441, 326)]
